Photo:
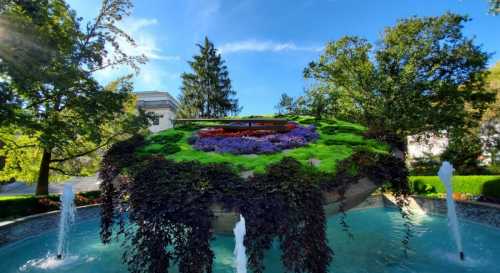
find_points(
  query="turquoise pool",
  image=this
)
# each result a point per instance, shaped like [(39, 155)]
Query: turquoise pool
[(375, 248)]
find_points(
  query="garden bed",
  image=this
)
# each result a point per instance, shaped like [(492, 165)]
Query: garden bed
[(336, 140)]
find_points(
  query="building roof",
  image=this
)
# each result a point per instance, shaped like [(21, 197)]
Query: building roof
[(157, 93), (168, 101)]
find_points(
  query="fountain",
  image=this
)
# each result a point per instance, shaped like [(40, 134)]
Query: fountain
[(445, 173), (67, 217), (239, 248)]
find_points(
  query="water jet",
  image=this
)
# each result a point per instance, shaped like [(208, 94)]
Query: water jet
[(445, 174)]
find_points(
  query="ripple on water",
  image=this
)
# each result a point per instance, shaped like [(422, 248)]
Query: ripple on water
[(51, 262)]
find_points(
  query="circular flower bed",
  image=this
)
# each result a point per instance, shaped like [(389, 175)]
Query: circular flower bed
[(253, 141)]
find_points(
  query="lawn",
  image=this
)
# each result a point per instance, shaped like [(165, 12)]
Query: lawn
[(486, 185), (338, 139)]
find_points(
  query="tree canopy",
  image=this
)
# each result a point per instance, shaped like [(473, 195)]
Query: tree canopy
[(285, 105), (207, 91), (495, 6), (47, 61), (423, 76)]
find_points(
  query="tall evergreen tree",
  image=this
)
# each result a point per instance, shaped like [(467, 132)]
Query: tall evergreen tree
[(207, 91)]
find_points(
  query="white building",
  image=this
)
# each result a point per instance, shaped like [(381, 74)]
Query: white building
[(424, 145), (162, 104)]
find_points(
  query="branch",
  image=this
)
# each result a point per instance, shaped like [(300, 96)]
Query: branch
[(12, 142), (89, 151), (63, 171)]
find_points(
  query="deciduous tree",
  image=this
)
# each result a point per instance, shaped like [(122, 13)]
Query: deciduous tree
[(424, 76), (47, 60), (285, 105)]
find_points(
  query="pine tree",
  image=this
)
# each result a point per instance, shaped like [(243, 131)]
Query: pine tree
[(207, 91)]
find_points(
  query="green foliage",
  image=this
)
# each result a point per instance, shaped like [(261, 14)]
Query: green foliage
[(487, 185), (285, 106), (15, 206), (328, 155), (322, 102), (49, 90), (463, 152), (493, 112), (166, 137), (494, 7), (335, 129), (207, 91), (23, 156), (420, 188), (424, 76), (425, 166)]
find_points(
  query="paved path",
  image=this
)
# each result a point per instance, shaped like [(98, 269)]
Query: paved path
[(80, 184)]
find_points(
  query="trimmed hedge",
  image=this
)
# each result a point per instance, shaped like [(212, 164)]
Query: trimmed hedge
[(15, 206), (484, 185)]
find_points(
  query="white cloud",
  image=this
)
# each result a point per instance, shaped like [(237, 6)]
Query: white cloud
[(146, 42), (263, 46)]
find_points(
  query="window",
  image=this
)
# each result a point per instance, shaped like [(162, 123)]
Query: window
[(156, 118)]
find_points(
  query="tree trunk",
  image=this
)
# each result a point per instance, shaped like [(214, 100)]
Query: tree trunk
[(42, 186)]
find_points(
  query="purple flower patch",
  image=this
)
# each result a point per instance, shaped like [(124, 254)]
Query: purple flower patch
[(267, 144)]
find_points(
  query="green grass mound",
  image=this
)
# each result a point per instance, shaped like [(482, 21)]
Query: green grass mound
[(337, 141)]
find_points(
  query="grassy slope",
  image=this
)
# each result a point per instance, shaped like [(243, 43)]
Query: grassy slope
[(488, 185), (328, 154)]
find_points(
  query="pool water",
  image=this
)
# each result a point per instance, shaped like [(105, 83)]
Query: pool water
[(375, 247)]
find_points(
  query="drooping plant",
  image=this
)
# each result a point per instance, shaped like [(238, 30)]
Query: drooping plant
[(169, 207)]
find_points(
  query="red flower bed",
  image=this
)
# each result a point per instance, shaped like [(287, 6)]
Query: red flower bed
[(220, 132)]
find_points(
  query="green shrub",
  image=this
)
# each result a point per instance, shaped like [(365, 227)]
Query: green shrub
[(492, 188), (338, 128), (170, 148), (15, 206), (152, 149), (350, 142), (169, 136), (494, 169), (486, 185), (425, 166), (421, 188)]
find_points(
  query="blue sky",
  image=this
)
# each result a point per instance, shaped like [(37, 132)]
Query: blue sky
[(267, 43)]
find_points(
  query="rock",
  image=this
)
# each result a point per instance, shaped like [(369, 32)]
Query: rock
[(246, 174), (314, 162)]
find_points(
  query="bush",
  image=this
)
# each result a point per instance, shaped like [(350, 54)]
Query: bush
[(353, 142), (485, 185), (420, 187), (170, 148), (424, 166), (494, 169), (23, 205), (463, 152), (335, 129), (168, 136)]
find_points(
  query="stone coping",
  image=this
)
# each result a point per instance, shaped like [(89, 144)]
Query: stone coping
[(478, 212)]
